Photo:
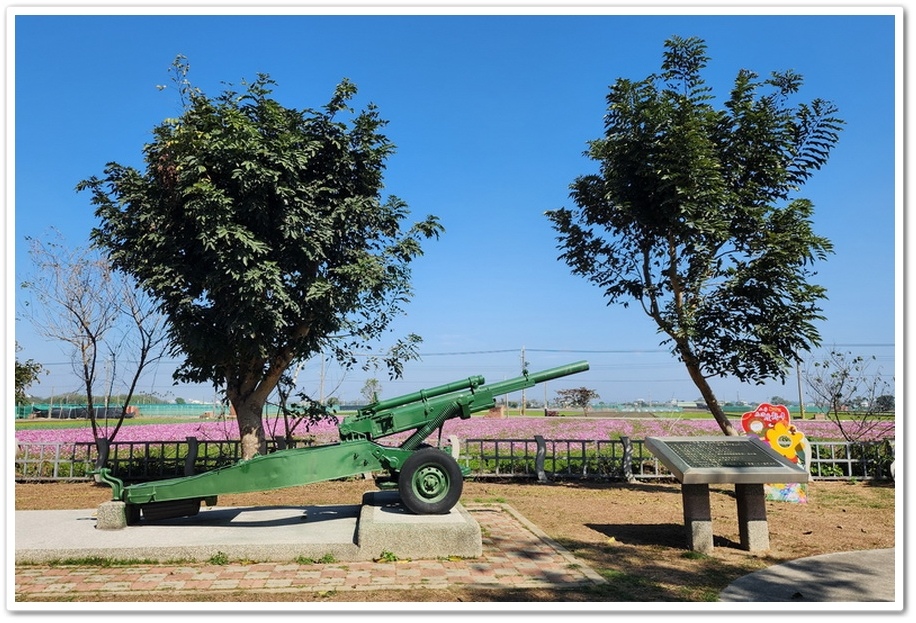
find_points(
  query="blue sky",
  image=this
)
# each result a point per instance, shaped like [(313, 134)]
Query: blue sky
[(490, 115)]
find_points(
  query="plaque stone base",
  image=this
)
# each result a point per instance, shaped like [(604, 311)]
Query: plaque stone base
[(697, 517), (744, 461), (752, 517)]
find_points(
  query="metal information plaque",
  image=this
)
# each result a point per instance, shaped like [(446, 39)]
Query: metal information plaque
[(746, 460)]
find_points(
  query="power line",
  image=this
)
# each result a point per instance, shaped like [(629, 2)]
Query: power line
[(467, 352), (624, 351)]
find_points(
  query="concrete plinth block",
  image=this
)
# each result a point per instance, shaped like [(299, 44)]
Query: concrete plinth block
[(697, 517), (111, 516), (699, 536), (755, 536), (753, 530), (386, 526)]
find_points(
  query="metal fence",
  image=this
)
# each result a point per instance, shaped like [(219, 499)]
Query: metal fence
[(79, 412), (839, 460), (626, 459), (131, 461), (581, 459), (558, 459)]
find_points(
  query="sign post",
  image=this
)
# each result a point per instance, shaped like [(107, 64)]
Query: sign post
[(746, 462)]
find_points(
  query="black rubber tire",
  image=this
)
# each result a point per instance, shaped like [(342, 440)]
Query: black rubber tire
[(430, 482), (132, 513), (157, 511)]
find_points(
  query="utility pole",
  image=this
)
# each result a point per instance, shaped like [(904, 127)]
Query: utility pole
[(524, 372), (321, 382), (801, 398)]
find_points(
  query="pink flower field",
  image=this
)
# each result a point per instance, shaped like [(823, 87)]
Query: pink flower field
[(474, 428)]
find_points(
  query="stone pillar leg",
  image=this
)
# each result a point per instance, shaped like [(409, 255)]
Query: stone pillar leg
[(697, 517), (111, 516), (752, 517)]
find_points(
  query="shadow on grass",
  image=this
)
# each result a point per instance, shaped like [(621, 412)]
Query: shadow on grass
[(651, 566), (661, 535)]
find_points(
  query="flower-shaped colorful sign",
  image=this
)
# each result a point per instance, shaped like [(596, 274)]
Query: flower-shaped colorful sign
[(772, 424), (786, 440), (763, 418)]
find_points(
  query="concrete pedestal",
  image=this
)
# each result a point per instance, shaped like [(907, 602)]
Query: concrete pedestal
[(355, 532), (697, 517), (385, 525), (752, 517), (111, 516)]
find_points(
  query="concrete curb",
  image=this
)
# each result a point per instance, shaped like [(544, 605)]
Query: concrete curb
[(859, 576)]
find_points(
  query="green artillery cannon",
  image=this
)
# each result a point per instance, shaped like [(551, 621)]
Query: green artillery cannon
[(428, 479)]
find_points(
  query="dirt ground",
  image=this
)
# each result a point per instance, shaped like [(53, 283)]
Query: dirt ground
[(632, 534)]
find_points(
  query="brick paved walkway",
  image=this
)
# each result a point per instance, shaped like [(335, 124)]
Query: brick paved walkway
[(516, 554)]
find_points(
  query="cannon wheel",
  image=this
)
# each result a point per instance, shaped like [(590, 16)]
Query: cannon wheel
[(430, 482)]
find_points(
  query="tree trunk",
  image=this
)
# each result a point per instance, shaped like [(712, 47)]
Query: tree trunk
[(696, 374), (103, 448), (711, 402), (251, 427)]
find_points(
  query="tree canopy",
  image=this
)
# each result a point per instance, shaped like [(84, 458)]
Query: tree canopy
[(26, 374), (262, 232), (694, 216)]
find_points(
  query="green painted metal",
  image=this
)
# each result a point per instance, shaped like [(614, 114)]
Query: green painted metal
[(427, 412), (278, 470), (425, 394), (430, 483), (358, 451)]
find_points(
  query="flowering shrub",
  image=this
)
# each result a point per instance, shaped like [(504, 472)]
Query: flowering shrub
[(48, 454), (473, 428)]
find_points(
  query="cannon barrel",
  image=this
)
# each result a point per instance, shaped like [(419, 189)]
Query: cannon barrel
[(424, 394), (464, 404), (426, 410), (530, 380)]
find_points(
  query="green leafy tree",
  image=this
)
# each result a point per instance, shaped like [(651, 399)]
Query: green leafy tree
[(27, 374), (261, 231), (693, 216), (885, 403)]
